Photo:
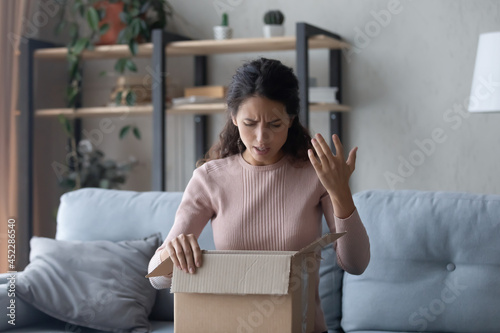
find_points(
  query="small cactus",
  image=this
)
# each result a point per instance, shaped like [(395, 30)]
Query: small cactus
[(225, 22), (274, 17)]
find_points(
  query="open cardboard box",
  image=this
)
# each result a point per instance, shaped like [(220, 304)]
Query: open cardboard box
[(247, 291)]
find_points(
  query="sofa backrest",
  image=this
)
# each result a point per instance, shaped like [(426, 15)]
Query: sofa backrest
[(116, 215), (434, 263)]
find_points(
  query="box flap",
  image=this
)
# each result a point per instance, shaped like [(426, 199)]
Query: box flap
[(165, 268), (321, 242), (237, 273)]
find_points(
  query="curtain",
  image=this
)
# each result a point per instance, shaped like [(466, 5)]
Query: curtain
[(11, 19)]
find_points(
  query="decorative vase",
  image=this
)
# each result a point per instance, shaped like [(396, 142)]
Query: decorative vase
[(223, 32), (273, 30)]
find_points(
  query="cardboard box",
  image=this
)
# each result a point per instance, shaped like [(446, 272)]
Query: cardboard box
[(247, 291), (208, 91)]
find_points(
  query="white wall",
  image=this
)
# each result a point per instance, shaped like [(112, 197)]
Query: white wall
[(407, 76)]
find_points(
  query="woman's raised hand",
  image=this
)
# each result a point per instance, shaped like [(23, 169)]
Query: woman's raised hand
[(184, 252), (334, 171)]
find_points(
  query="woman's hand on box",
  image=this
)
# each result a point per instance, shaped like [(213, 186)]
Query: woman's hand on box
[(184, 252)]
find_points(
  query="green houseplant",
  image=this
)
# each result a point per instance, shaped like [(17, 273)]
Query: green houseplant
[(83, 21), (273, 20), (87, 23), (88, 166)]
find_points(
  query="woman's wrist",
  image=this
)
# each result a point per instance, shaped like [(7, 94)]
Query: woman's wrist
[(343, 205)]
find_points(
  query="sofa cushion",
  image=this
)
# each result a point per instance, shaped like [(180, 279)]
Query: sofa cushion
[(115, 215), (96, 284), (434, 263)]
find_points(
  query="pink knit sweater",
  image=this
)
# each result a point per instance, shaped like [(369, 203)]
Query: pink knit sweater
[(274, 207)]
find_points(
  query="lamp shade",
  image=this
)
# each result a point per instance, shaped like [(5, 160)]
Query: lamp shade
[(485, 90)]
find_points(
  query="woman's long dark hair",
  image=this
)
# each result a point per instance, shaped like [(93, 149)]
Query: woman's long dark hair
[(270, 79)]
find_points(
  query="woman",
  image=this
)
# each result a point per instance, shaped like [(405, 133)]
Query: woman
[(262, 185)]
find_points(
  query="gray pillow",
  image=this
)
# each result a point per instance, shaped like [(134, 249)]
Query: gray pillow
[(96, 284)]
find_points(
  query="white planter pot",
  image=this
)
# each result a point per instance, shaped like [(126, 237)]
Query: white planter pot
[(223, 32), (273, 30)]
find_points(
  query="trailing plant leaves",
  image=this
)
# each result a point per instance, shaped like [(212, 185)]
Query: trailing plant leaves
[(104, 183), (145, 30), (133, 46), (102, 73), (71, 94), (73, 31), (131, 65), (60, 27), (135, 26), (118, 98), (78, 76), (124, 17), (121, 37), (104, 28), (131, 98), (66, 125), (134, 12), (137, 133), (80, 45), (102, 13), (93, 18), (77, 6), (145, 7), (124, 131), (120, 65)]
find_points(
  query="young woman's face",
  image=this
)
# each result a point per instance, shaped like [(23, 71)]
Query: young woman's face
[(263, 125)]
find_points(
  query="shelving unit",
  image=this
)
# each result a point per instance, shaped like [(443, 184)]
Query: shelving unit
[(307, 37)]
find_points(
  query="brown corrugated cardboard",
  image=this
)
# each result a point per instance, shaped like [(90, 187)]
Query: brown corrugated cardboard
[(247, 291)]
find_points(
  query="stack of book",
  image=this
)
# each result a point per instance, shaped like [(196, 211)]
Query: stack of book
[(323, 95)]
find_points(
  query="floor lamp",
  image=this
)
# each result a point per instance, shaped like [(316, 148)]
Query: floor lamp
[(485, 90)]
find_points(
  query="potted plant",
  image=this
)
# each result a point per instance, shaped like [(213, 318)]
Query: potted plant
[(97, 22), (88, 23), (223, 31), (273, 27), (88, 167)]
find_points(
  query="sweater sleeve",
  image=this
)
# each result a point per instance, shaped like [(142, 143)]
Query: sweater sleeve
[(194, 211), (353, 249)]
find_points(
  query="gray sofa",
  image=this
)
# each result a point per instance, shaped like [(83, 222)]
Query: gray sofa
[(434, 263)]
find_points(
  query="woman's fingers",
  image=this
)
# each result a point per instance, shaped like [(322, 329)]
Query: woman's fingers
[(351, 160), (185, 252), (196, 251), (339, 148), (322, 150), (172, 253)]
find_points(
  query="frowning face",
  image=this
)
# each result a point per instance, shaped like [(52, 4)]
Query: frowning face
[(263, 126)]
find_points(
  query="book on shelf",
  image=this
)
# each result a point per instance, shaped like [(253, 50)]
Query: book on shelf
[(323, 95)]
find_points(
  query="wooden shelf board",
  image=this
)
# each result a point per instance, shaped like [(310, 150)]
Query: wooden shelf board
[(199, 47), (205, 109), (202, 47), (319, 107), (96, 111)]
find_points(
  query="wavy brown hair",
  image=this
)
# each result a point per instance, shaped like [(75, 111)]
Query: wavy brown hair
[(270, 79)]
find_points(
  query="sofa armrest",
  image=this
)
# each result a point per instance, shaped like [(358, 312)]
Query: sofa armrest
[(4, 276)]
